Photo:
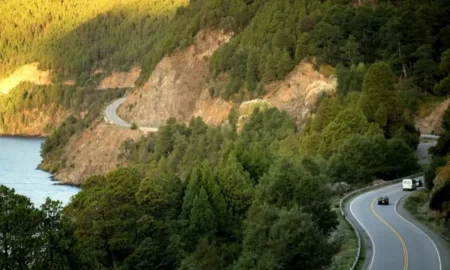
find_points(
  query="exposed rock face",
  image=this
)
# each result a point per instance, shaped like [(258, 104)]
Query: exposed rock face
[(299, 92), (432, 122), (177, 87), (442, 177), (120, 79), (27, 73), (94, 151)]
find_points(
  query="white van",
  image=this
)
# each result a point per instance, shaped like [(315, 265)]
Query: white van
[(409, 184)]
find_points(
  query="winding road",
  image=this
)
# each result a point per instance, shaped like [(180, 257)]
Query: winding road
[(392, 238), (112, 117)]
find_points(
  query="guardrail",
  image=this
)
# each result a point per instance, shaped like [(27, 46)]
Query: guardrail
[(429, 136), (362, 190)]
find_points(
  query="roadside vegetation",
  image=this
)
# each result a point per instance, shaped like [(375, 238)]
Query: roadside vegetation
[(418, 205), (431, 206), (346, 241)]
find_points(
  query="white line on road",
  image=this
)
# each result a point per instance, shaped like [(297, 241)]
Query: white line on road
[(364, 228), (429, 238)]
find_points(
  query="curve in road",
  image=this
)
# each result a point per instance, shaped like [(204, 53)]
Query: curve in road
[(112, 117), (396, 243)]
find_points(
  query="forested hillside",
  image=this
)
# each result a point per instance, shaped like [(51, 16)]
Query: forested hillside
[(437, 178), (202, 197), (411, 35), (73, 38)]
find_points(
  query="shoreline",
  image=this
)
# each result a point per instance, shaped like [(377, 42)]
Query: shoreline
[(22, 136), (61, 183)]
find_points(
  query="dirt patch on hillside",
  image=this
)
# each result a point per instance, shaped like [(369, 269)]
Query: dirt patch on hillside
[(30, 73), (94, 151), (431, 123), (120, 79), (177, 87), (299, 92), (69, 82)]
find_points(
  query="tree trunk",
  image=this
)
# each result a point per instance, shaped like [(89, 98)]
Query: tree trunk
[(400, 56)]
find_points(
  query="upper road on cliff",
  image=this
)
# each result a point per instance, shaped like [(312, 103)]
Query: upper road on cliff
[(112, 117)]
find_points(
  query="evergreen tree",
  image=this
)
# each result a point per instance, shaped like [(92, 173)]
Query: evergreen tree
[(285, 238), (252, 68), (202, 221), (288, 184), (235, 184), (378, 89), (19, 230)]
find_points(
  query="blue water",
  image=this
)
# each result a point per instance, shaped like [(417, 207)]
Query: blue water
[(19, 158)]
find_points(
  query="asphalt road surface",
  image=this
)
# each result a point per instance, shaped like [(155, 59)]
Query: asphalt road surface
[(111, 115), (393, 240), (422, 152)]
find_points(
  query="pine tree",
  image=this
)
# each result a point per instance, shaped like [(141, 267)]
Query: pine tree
[(285, 64), (235, 184), (270, 70), (379, 89), (252, 67), (202, 220)]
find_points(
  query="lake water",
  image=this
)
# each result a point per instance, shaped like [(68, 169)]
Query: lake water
[(19, 158)]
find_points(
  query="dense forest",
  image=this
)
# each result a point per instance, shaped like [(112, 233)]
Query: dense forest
[(74, 38), (202, 197), (411, 35)]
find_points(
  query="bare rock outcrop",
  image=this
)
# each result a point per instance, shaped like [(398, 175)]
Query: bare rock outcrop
[(94, 151), (26, 73), (431, 123), (120, 79), (178, 87), (443, 175), (299, 92)]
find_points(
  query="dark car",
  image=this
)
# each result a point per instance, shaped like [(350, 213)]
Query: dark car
[(418, 182), (383, 200)]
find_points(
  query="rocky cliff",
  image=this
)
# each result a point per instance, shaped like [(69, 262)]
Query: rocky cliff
[(431, 122), (94, 151), (119, 79), (298, 93), (178, 87)]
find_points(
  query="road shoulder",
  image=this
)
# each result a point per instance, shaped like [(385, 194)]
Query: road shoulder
[(366, 252), (441, 244)]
